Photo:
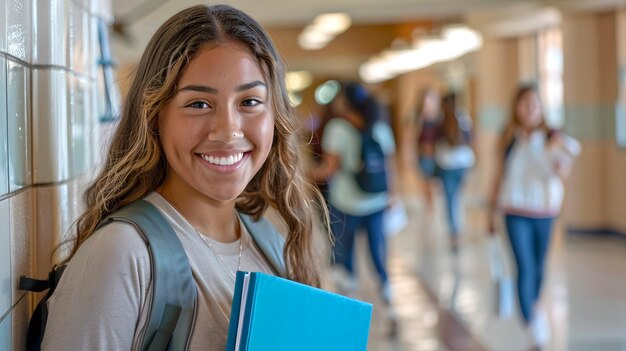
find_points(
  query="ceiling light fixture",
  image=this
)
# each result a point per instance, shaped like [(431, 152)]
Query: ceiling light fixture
[(454, 42), (325, 28)]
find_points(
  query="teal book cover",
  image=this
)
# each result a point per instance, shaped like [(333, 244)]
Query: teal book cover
[(272, 313)]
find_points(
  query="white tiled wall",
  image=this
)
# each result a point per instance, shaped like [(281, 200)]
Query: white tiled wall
[(18, 113), (50, 25), (3, 26), (50, 138), (50, 126), (18, 28), (4, 156)]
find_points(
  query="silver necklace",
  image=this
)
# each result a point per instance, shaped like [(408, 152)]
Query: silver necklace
[(219, 257), (210, 246)]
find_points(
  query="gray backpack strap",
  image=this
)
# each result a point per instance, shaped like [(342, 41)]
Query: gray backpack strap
[(172, 311), (269, 241)]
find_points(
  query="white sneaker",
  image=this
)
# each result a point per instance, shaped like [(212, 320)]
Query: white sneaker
[(386, 293), (540, 328)]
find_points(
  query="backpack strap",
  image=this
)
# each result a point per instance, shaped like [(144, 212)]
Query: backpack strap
[(269, 240), (172, 310), (37, 323)]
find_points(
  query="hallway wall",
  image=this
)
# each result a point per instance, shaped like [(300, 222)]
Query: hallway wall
[(597, 192), (50, 137)]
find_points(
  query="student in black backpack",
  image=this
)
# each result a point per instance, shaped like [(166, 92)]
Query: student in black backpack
[(207, 136), (354, 144)]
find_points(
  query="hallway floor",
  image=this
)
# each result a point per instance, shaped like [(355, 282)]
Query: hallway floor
[(446, 301)]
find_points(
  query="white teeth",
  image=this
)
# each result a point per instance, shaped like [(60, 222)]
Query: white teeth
[(223, 161)]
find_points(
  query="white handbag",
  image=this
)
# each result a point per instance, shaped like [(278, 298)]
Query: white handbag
[(504, 292), (395, 218)]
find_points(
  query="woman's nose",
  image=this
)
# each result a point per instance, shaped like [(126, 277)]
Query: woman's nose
[(225, 126)]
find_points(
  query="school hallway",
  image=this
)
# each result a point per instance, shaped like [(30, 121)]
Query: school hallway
[(446, 301)]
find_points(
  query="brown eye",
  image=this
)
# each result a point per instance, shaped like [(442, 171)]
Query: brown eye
[(198, 104), (251, 102)]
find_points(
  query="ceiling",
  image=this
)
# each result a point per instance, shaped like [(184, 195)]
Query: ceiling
[(375, 23)]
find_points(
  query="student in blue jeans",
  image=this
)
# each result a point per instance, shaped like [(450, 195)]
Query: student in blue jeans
[(454, 156), (533, 161), (530, 239), (351, 207)]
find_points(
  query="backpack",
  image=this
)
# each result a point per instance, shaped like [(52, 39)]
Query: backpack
[(372, 175), (172, 311)]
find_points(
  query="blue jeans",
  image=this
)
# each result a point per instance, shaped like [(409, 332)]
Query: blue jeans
[(530, 238), (452, 180), (427, 166), (344, 228)]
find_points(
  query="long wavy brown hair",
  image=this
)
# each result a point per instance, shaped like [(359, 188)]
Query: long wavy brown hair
[(136, 164), (450, 127), (515, 122)]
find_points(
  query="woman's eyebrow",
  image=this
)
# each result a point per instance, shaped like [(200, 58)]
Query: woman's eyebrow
[(211, 90), (251, 85), (200, 88)]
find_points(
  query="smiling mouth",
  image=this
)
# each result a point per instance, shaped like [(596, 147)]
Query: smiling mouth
[(223, 161)]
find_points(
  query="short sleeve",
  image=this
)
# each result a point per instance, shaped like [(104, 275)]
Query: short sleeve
[(99, 300), (384, 136), (336, 136)]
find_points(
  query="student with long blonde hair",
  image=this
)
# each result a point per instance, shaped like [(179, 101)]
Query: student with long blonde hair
[(533, 161), (207, 136)]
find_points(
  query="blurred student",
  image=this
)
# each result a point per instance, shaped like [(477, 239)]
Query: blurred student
[(358, 114), (428, 119), (533, 161), (453, 156)]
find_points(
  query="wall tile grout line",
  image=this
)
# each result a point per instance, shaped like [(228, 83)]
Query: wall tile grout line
[(33, 66), (13, 307)]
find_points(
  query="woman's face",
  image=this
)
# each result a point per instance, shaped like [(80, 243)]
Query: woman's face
[(218, 129), (529, 110)]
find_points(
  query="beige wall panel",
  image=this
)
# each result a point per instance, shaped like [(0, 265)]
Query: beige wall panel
[(584, 205), (615, 178), (607, 58), (22, 232), (527, 59), (49, 202), (620, 28), (497, 71), (21, 316), (581, 67)]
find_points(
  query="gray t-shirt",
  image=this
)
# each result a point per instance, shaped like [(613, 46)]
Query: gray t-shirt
[(101, 302)]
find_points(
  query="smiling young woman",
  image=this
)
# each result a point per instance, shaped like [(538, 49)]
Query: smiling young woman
[(207, 136)]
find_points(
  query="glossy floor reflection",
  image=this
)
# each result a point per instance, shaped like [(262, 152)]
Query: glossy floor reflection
[(446, 301)]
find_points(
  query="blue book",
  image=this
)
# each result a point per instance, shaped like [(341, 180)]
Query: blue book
[(272, 313)]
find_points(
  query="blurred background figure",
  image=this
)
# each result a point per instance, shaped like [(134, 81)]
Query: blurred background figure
[(428, 118), (534, 160), (357, 124), (453, 157)]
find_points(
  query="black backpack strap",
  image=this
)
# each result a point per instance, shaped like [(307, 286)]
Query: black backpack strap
[(37, 323), (172, 311)]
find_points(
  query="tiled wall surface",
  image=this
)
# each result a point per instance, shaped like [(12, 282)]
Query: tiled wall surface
[(50, 137)]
